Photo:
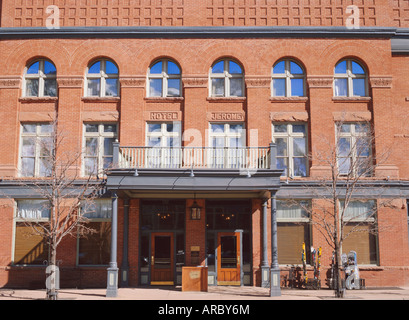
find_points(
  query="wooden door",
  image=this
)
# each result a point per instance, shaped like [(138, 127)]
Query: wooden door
[(162, 259), (228, 259)]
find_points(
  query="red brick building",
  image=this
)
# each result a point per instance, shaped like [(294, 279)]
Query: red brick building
[(210, 102)]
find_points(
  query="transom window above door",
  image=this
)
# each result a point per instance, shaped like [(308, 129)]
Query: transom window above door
[(102, 79), (164, 79), (227, 79)]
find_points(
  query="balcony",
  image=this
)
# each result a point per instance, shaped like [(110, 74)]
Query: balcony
[(193, 158), (189, 171)]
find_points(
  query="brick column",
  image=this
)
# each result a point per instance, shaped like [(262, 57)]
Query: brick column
[(195, 234)]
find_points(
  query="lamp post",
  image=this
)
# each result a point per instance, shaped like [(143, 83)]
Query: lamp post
[(275, 290)]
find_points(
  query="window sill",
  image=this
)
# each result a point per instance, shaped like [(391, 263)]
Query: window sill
[(226, 99), (351, 99), (101, 99), (38, 99), (289, 99), (164, 99)]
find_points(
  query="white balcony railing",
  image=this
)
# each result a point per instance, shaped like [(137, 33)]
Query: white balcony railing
[(194, 157)]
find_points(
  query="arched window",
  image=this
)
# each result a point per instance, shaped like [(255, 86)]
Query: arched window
[(102, 79), (226, 78), (164, 79), (288, 79), (350, 79), (40, 79)]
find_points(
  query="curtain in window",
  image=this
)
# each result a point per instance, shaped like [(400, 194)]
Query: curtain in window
[(358, 210), (98, 209), (33, 209), (290, 211), (341, 87)]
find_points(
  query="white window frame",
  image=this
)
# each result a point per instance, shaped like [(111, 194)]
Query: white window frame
[(226, 75), (40, 76), (287, 75), (352, 136), (164, 76), (37, 135), (290, 135), (350, 76), (103, 76), (163, 134), (100, 135)]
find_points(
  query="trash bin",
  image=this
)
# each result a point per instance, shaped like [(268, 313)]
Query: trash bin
[(194, 279)]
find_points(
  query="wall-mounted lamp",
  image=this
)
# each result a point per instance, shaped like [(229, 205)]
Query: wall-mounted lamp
[(195, 211)]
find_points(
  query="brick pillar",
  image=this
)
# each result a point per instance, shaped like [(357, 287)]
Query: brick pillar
[(195, 235)]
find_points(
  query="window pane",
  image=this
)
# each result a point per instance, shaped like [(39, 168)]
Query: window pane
[(344, 165), (34, 68), (345, 128), (32, 87), (357, 69), (156, 68), (297, 87), (298, 128), (341, 87), (91, 166), (280, 128), (95, 68), (344, 147), (30, 248), (341, 68), (234, 68), (362, 147), (50, 87), (218, 67), (91, 146), (27, 167), (45, 167), (110, 128), (111, 87), (281, 147), (362, 128), (174, 87), (29, 128), (300, 167), (279, 68), (282, 165), (108, 147), (154, 127), (91, 127), (155, 86), (107, 162), (95, 248), (359, 87), (110, 68), (235, 143), (236, 128), (28, 148), (154, 142), (218, 87), (218, 142), (216, 127), (173, 68), (295, 68), (236, 88), (279, 87), (94, 87), (299, 147), (49, 68)]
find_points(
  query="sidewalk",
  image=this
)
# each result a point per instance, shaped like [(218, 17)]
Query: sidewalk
[(214, 293)]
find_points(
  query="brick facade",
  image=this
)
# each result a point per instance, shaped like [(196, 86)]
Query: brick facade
[(385, 107)]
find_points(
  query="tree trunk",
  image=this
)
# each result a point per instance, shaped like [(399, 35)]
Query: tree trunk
[(52, 273)]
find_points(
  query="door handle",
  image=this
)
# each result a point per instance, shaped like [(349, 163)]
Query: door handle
[(153, 260)]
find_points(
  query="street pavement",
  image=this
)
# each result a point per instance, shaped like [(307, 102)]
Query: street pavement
[(213, 294)]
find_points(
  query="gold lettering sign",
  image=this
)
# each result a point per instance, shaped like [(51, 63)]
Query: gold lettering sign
[(227, 116)]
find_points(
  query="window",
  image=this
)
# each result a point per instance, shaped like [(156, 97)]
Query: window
[(360, 219), (94, 247), (288, 79), (164, 138), (102, 79), (350, 79), (30, 248), (40, 80), (354, 149), (164, 79), (98, 142), (36, 147), (226, 142), (291, 140), (226, 79), (293, 230)]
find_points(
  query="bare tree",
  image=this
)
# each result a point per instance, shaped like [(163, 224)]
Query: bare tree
[(67, 196), (351, 162)]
